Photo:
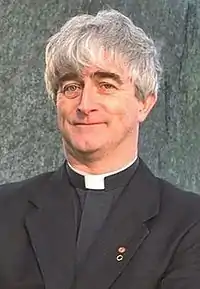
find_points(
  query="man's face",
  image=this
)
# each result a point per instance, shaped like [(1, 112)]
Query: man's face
[(98, 112)]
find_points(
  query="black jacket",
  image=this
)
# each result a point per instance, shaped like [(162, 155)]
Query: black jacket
[(156, 223)]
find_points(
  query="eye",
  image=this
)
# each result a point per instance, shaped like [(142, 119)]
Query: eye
[(106, 87), (71, 90)]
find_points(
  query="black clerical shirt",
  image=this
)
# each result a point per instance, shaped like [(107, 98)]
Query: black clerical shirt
[(93, 205)]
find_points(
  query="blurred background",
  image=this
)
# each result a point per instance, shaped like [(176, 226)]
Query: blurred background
[(170, 138)]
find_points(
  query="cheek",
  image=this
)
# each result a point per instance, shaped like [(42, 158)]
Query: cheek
[(62, 117), (125, 111), (64, 108), (60, 112)]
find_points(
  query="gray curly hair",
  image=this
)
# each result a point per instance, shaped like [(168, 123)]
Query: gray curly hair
[(76, 44)]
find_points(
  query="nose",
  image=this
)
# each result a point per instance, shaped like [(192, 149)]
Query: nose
[(87, 102)]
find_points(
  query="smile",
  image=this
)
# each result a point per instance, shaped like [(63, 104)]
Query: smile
[(89, 124)]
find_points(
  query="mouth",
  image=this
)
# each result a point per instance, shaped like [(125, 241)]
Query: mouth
[(89, 124)]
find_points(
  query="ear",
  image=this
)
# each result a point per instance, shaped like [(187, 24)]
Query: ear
[(145, 106)]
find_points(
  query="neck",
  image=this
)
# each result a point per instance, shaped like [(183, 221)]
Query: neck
[(110, 162)]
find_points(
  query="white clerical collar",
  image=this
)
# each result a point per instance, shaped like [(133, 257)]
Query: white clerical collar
[(97, 182)]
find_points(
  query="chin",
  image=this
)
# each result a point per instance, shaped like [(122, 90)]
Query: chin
[(87, 149), (83, 146)]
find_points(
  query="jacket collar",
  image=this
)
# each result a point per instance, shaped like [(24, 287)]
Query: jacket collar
[(106, 182)]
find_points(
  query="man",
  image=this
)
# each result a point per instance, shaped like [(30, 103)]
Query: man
[(103, 220)]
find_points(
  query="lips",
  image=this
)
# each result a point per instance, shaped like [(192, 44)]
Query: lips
[(88, 123), (95, 123)]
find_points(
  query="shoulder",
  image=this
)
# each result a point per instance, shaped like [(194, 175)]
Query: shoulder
[(177, 194), (179, 204), (177, 207), (170, 195), (22, 189)]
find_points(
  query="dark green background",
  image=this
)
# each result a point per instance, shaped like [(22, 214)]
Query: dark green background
[(170, 138)]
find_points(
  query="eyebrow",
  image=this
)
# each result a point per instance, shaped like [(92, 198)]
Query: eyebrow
[(99, 74), (69, 76), (106, 74)]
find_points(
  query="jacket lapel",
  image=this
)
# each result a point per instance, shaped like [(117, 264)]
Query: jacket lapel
[(52, 230), (124, 231)]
